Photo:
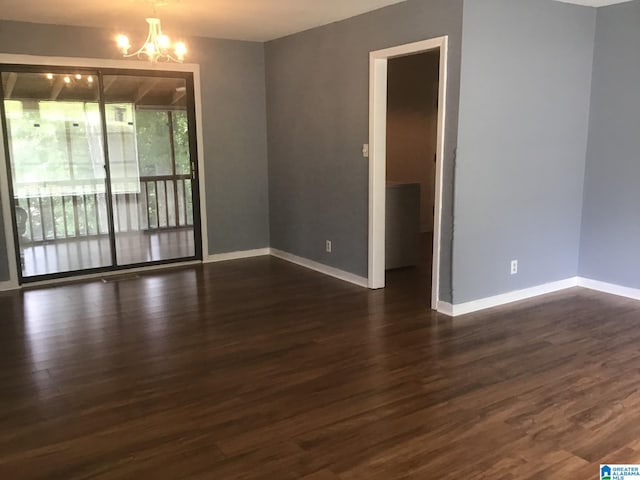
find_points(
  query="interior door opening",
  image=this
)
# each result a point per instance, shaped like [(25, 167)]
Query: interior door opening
[(412, 126), (401, 210), (102, 169)]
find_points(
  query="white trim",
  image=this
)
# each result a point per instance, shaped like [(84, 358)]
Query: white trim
[(490, 302), (116, 64), (377, 169), (320, 267), (611, 288), (515, 296), (378, 69), (19, 59), (223, 257), (6, 286), (445, 308)]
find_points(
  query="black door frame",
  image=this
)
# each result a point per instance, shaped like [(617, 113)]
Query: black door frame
[(193, 154)]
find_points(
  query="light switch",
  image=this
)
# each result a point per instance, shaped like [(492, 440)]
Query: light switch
[(365, 150)]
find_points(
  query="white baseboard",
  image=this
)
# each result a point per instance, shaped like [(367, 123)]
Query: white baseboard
[(609, 288), (223, 257), (9, 285), (490, 302), (320, 267), (445, 308), (505, 298)]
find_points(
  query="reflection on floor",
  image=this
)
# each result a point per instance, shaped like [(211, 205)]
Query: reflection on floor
[(131, 248), (259, 369), (415, 282)]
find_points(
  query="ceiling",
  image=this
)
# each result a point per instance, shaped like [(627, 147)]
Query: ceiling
[(258, 20)]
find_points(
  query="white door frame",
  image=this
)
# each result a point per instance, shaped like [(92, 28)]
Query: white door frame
[(378, 70), (114, 64)]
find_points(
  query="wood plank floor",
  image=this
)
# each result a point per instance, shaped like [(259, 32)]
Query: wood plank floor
[(258, 369)]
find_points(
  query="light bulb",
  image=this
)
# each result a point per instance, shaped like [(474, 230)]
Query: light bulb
[(90, 79), (49, 76), (67, 80), (163, 41), (150, 48), (78, 76), (123, 43), (181, 50)]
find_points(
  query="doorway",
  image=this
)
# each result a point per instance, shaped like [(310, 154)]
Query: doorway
[(412, 118), (102, 169), (410, 196)]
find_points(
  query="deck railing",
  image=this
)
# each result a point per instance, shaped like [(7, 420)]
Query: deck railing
[(78, 209)]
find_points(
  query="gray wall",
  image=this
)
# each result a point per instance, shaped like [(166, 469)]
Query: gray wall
[(611, 215), (318, 119), (524, 110), (519, 177), (234, 122)]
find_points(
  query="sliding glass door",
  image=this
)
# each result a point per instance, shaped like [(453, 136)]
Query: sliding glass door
[(102, 167), (151, 168), (54, 136)]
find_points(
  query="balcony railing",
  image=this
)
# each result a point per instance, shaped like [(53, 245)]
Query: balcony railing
[(68, 210)]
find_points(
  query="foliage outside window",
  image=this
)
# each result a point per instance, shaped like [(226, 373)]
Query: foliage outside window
[(57, 159), (56, 147)]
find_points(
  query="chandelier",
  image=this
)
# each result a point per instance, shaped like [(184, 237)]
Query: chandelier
[(157, 47)]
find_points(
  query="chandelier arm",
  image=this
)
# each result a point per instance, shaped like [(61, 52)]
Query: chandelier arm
[(156, 48)]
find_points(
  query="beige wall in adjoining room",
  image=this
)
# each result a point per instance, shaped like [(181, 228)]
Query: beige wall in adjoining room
[(412, 121)]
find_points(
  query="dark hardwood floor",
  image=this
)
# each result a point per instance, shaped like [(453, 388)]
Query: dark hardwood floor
[(258, 369), (415, 281)]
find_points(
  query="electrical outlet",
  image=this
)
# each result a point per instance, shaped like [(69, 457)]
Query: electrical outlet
[(514, 267), (328, 246)]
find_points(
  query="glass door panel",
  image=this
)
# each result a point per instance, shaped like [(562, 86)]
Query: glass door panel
[(150, 168), (57, 165)]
